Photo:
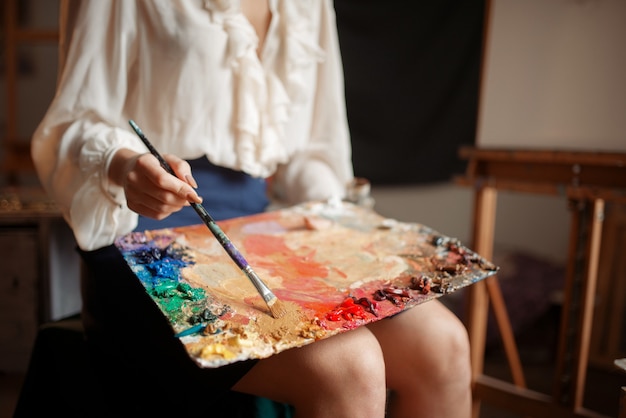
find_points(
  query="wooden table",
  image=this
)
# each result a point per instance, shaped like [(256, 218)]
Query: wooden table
[(28, 221), (587, 180)]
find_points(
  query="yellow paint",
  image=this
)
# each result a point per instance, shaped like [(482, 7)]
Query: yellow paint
[(216, 349)]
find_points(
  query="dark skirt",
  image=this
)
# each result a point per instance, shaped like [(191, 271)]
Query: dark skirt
[(146, 369)]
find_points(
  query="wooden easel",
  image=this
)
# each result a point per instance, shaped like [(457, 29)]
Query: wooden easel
[(587, 180)]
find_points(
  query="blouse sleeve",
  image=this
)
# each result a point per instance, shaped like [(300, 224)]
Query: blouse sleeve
[(323, 167), (83, 127)]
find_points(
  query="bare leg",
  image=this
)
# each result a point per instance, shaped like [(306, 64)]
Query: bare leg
[(426, 352), (342, 376)]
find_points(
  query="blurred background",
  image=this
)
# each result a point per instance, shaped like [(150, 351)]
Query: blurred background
[(422, 80)]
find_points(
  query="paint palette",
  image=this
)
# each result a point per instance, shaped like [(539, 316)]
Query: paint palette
[(335, 266)]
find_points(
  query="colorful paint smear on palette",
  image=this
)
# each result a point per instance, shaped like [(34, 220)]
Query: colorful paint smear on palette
[(335, 266)]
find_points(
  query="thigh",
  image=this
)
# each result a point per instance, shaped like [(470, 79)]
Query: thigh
[(325, 369), (421, 341)]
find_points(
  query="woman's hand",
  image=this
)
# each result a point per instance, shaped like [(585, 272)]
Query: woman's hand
[(150, 190)]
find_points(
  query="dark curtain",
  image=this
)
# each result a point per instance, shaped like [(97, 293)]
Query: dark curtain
[(412, 81)]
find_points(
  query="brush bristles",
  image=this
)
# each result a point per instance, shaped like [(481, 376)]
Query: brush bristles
[(277, 308)]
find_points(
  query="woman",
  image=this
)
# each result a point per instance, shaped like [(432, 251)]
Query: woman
[(233, 93)]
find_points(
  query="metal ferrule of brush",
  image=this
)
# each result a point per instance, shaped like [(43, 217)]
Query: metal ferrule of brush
[(265, 292)]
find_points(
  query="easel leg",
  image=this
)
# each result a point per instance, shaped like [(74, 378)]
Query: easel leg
[(506, 331), (580, 290), (489, 289), (478, 303)]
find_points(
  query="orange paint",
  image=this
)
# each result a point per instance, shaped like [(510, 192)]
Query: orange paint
[(265, 245), (271, 253), (339, 272)]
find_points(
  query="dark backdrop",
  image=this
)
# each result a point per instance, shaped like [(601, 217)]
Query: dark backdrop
[(412, 81)]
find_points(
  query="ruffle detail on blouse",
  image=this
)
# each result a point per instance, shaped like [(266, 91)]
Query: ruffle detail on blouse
[(263, 99), (301, 49)]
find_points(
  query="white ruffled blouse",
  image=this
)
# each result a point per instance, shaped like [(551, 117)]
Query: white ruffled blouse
[(188, 72)]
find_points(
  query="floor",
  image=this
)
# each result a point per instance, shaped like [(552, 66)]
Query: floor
[(10, 385), (537, 347), (536, 351)]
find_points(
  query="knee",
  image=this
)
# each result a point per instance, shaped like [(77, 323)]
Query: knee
[(453, 352), (360, 365), (354, 377)]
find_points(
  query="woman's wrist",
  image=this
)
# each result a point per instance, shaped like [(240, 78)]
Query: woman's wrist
[(121, 163)]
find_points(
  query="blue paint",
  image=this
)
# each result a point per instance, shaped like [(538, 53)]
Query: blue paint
[(192, 330), (159, 270)]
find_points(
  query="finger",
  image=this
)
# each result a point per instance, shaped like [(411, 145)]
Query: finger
[(189, 178), (166, 182), (182, 169), (153, 201), (150, 212)]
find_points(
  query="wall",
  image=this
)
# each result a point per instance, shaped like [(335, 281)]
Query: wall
[(37, 73), (554, 76)]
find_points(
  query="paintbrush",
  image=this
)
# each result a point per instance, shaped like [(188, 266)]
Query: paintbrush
[(273, 303)]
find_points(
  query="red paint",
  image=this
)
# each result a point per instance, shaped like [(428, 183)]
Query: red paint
[(348, 310)]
